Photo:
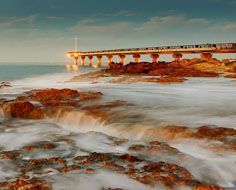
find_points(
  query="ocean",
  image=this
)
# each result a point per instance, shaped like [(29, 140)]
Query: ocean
[(194, 103)]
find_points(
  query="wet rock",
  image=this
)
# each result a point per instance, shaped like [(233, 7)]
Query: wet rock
[(165, 80), (129, 158), (174, 132), (24, 110), (28, 148), (169, 133), (169, 175), (183, 68), (181, 72), (31, 184), (98, 157), (5, 85), (231, 76), (9, 155), (137, 148), (22, 99), (215, 133), (48, 102), (102, 111), (155, 148), (209, 187), (162, 147), (46, 146), (90, 77), (64, 170), (112, 166), (90, 170), (85, 96), (53, 96), (136, 79)]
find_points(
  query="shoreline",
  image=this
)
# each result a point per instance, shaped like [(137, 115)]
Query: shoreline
[(139, 160)]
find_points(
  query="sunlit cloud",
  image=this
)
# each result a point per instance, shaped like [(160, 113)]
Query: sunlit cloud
[(229, 26), (12, 21)]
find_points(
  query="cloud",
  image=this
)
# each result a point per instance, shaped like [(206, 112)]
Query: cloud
[(96, 26), (196, 21), (55, 18), (229, 26), (124, 13), (89, 27), (12, 21), (157, 23)]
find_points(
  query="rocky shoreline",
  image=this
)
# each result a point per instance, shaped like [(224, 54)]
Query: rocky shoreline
[(39, 104), (133, 163), (162, 72)]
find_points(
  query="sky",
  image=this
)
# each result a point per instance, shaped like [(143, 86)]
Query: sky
[(43, 30)]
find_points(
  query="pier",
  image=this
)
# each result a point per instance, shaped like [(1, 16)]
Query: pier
[(206, 52)]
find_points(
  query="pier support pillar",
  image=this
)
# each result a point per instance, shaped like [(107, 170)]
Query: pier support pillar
[(177, 56), (82, 60), (90, 61), (109, 57), (99, 57), (154, 58), (206, 56), (122, 59), (75, 60), (136, 58)]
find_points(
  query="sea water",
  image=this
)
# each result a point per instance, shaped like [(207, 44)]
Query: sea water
[(197, 102)]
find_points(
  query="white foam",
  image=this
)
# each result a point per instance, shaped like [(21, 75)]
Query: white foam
[(17, 136), (96, 181), (218, 166)]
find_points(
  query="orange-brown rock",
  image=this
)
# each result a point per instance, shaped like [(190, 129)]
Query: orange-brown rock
[(24, 110), (22, 98), (101, 111), (204, 132), (50, 101), (216, 133), (168, 174), (183, 68), (112, 165), (85, 96), (231, 76), (64, 170), (165, 80), (129, 158), (48, 146), (181, 72), (30, 184), (90, 170), (137, 148), (209, 187), (54, 96), (9, 155), (28, 148), (98, 157)]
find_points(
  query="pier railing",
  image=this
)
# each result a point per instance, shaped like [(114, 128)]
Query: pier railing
[(206, 51)]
